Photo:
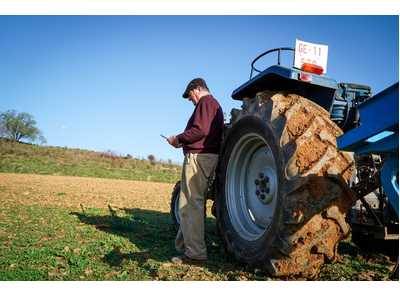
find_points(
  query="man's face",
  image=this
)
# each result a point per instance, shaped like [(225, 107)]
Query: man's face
[(194, 96)]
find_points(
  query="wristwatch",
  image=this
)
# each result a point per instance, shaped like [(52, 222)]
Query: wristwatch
[(176, 141)]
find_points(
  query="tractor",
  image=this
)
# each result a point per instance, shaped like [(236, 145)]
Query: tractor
[(303, 165)]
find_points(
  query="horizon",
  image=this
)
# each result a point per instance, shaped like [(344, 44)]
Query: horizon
[(115, 83)]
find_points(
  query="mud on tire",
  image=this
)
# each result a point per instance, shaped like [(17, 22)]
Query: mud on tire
[(281, 193)]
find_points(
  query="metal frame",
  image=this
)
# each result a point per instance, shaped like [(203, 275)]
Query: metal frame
[(265, 53), (318, 88), (378, 115)]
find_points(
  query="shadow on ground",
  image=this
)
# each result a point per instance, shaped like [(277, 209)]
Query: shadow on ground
[(151, 232)]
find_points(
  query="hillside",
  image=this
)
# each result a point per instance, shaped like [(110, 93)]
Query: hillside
[(24, 158)]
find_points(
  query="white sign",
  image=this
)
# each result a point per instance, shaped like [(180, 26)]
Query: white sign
[(310, 53)]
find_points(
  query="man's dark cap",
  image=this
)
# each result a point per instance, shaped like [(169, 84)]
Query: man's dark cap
[(194, 84)]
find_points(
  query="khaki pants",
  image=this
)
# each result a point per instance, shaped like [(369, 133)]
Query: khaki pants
[(197, 173)]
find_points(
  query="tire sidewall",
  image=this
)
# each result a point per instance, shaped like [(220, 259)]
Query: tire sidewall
[(175, 202), (248, 251)]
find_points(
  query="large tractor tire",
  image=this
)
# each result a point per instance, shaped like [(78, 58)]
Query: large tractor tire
[(176, 220), (281, 194)]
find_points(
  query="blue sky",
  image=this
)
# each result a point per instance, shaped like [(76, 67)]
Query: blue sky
[(116, 82)]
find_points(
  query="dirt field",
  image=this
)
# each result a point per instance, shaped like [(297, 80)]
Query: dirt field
[(46, 235), (90, 192)]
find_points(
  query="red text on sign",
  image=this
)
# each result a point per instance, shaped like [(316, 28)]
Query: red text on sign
[(303, 49)]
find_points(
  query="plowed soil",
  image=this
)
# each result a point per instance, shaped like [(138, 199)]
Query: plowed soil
[(90, 192)]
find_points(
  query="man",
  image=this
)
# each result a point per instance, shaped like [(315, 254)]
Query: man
[(200, 142)]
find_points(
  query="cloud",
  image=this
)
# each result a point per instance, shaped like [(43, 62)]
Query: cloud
[(63, 127)]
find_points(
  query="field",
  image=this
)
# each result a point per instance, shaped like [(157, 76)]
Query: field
[(77, 215), (46, 160), (62, 228)]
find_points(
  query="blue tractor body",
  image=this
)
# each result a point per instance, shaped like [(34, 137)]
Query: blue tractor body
[(320, 89), (371, 132), (339, 100)]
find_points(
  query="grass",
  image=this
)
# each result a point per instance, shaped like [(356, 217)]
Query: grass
[(23, 158), (93, 244), (82, 228), (134, 245)]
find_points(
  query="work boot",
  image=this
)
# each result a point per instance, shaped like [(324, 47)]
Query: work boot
[(184, 259)]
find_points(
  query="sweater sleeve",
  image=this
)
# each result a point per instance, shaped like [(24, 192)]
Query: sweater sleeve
[(202, 118)]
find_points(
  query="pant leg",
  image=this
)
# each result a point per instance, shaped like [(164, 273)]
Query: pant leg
[(196, 176), (183, 196)]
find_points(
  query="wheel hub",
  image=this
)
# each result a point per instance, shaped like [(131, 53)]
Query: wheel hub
[(252, 186), (264, 189)]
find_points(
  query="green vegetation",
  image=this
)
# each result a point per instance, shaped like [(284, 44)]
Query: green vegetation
[(45, 160), (93, 244), (70, 229), (59, 244), (20, 126)]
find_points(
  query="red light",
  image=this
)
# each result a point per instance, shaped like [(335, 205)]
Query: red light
[(305, 77), (312, 68)]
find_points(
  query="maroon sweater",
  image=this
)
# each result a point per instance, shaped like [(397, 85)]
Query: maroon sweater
[(203, 132)]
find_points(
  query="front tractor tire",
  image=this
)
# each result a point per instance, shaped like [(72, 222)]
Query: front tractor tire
[(176, 220), (281, 197)]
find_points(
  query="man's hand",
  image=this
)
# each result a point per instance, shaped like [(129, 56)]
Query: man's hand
[(172, 141)]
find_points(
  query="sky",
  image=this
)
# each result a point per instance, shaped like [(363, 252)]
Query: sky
[(115, 82)]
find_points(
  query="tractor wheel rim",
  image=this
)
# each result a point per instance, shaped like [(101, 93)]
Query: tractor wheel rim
[(251, 186)]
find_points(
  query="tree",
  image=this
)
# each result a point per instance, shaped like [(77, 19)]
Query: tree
[(20, 126), (151, 157)]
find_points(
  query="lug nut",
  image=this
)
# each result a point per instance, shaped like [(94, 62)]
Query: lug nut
[(262, 196), (257, 192), (267, 190), (257, 182), (261, 175), (266, 179)]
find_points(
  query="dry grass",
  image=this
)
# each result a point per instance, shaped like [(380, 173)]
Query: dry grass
[(31, 159)]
